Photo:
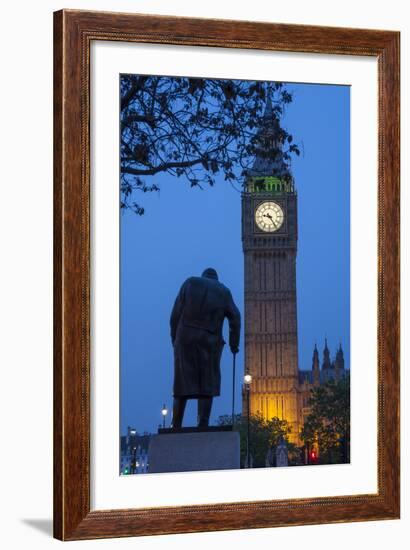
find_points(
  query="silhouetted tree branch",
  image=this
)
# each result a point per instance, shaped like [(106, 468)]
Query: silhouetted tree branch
[(192, 127)]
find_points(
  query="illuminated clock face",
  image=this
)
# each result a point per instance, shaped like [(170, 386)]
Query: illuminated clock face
[(269, 216)]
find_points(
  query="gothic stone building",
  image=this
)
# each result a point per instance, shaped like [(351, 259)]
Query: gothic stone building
[(269, 236)]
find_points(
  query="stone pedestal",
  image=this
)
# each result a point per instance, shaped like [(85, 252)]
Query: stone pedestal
[(188, 451)]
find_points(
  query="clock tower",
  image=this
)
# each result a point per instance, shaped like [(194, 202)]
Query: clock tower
[(269, 237)]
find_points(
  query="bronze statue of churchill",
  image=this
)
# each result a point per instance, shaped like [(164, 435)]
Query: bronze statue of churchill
[(196, 322)]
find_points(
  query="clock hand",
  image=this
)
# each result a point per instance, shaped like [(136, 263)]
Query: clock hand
[(275, 225)]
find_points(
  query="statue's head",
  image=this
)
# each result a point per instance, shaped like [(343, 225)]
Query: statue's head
[(210, 273)]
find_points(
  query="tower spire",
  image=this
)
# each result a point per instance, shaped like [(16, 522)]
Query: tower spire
[(326, 364), (269, 160), (268, 114), (340, 360), (316, 366)]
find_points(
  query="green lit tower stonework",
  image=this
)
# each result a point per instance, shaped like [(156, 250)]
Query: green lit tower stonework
[(269, 237)]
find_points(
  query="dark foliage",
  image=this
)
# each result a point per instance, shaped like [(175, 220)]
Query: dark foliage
[(328, 424), (195, 128), (264, 436)]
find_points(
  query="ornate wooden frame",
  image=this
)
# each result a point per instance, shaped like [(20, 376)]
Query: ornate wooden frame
[(73, 33)]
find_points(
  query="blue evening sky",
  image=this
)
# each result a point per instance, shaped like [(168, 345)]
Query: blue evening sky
[(185, 230)]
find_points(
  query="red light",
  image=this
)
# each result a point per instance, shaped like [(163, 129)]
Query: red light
[(313, 454)]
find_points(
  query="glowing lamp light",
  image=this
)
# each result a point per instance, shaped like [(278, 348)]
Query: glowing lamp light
[(247, 379), (164, 413)]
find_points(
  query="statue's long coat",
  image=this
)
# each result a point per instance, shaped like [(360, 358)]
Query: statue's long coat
[(196, 332)]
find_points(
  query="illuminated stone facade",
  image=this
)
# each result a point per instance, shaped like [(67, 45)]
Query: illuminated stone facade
[(269, 241)]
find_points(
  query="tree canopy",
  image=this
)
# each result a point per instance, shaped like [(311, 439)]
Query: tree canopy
[(264, 435), (195, 128), (328, 424)]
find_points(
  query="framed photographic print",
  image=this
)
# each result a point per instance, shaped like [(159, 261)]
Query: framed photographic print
[(226, 275)]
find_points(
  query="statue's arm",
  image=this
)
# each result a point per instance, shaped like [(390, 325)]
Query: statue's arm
[(177, 312), (234, 318)]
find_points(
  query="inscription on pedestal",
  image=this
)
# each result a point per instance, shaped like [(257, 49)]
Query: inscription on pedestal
[(194, 451)]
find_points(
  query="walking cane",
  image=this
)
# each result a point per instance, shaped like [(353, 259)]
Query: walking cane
[(233, 389)]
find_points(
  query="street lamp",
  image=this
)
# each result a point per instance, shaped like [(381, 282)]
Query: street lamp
[(164, 412), (133, 469), (247, 381)]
